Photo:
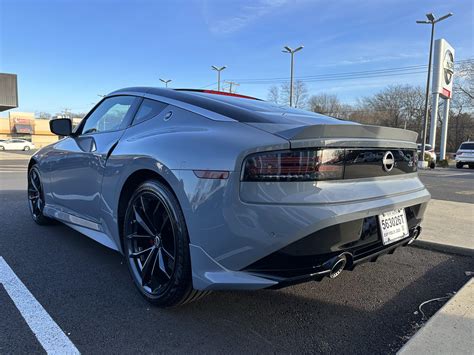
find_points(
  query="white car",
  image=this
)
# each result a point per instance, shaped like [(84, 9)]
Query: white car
[(465, 155), (428, 150), (16, 144)]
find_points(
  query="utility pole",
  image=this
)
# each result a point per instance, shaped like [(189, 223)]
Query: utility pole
[(431, 21), (218, 69), (166, 81), (231, 83), (292, 52)]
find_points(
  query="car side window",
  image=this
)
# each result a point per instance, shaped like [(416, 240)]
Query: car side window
[(148, 109), (110, 115)]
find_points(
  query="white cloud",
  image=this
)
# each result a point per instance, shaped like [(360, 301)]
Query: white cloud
[(242, 16)]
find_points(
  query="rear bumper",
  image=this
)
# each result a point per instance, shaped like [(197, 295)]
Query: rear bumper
[(464, 159), (233, 225), (313, 257)]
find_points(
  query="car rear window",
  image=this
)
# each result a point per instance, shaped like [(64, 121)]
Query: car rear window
[(467, 146)]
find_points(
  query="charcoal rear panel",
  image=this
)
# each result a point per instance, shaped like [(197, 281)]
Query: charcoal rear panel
[(360, 238), (365, 163)]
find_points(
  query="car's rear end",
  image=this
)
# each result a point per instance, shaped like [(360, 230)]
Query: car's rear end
[(341, 194), (465, 155), (338, 194)]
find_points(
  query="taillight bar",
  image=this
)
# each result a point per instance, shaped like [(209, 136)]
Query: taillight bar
[(322, 164)]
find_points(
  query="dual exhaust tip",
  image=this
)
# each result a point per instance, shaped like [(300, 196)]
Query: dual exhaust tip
[(337, 264)]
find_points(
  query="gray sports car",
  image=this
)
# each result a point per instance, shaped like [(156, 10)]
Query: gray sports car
[(203, 190)]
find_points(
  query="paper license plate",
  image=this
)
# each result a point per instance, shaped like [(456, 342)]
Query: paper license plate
[(393, 226)]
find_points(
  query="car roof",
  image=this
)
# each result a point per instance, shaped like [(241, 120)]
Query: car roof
[(240, 107)]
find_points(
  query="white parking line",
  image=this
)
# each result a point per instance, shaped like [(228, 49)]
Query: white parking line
[(48, 333)]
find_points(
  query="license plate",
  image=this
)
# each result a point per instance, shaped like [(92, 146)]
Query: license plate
[(393, 226)]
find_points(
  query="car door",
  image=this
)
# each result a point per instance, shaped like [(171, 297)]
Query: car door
[(77, 163)]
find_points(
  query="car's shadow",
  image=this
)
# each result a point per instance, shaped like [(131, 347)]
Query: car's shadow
[(87, 290)]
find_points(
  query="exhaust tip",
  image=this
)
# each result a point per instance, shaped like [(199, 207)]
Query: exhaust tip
[(338, 266), (416, 234)]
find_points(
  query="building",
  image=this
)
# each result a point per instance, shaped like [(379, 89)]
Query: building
[(8, 91), (23, 125)]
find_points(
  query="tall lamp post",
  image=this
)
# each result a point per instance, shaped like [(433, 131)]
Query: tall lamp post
[(292, 52), (166, 81), (218, 69), (431, 21)]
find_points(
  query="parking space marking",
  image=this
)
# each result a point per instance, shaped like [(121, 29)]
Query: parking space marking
[(48, 333)]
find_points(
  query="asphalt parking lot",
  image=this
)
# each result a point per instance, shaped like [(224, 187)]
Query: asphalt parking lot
[(85, 288)]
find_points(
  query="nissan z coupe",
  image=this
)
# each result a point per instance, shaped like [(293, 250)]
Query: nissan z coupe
[(202, 190)]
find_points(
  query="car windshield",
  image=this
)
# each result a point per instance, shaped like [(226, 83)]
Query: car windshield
[(467, 146)]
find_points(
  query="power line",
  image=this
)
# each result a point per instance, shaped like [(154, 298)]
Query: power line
[(407, 70)]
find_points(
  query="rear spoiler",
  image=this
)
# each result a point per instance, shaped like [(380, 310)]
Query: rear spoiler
[(349, 135)]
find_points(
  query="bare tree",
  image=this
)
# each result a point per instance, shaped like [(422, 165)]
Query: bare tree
[(281, 95), (329, 105), (43, 115), (274, 94), (464, 81)]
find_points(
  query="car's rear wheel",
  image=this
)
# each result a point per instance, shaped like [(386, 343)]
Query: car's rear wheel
[(156, 246), (459, 165), (2, 147), (36, 197), (26, 148)]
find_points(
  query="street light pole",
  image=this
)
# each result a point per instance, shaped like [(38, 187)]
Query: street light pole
[(166, 81), (431, 21), (218, 69), (292, 53)]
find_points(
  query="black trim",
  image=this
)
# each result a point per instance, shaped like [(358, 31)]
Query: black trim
[(319, 275), (308, 256)]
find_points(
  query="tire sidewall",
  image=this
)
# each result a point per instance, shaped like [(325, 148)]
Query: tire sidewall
[(181, 278), (41, 219)]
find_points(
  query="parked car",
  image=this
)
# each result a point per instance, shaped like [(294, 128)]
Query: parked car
[(465, 155), (204, 190), (16, 144), (428, 150)]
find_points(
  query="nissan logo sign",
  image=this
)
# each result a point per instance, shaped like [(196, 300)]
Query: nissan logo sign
[(448, 67), (388, 161)]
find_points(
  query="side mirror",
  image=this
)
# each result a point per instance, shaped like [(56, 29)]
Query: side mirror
[(61, 126)]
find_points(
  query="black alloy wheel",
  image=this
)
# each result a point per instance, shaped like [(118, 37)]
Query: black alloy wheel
[(36, 197), (156, 246)]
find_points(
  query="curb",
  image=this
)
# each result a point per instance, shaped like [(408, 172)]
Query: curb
[(445, 248), (448, 330)]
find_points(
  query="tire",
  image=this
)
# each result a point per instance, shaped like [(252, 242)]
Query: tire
[(26, 148), (459, 165), (2, 147), (36, 197), (156, 246), (471, 166)]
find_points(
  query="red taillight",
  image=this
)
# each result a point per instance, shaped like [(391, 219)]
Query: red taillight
[(294, 165)]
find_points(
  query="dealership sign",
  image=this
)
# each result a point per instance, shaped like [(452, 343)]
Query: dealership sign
[(443, 69)]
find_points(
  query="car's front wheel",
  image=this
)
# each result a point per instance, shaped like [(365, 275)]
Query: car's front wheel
[(26, 148), (36, 197), (156, 246), (459, 165)]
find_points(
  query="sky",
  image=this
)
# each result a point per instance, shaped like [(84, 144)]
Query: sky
[(67, 52)]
